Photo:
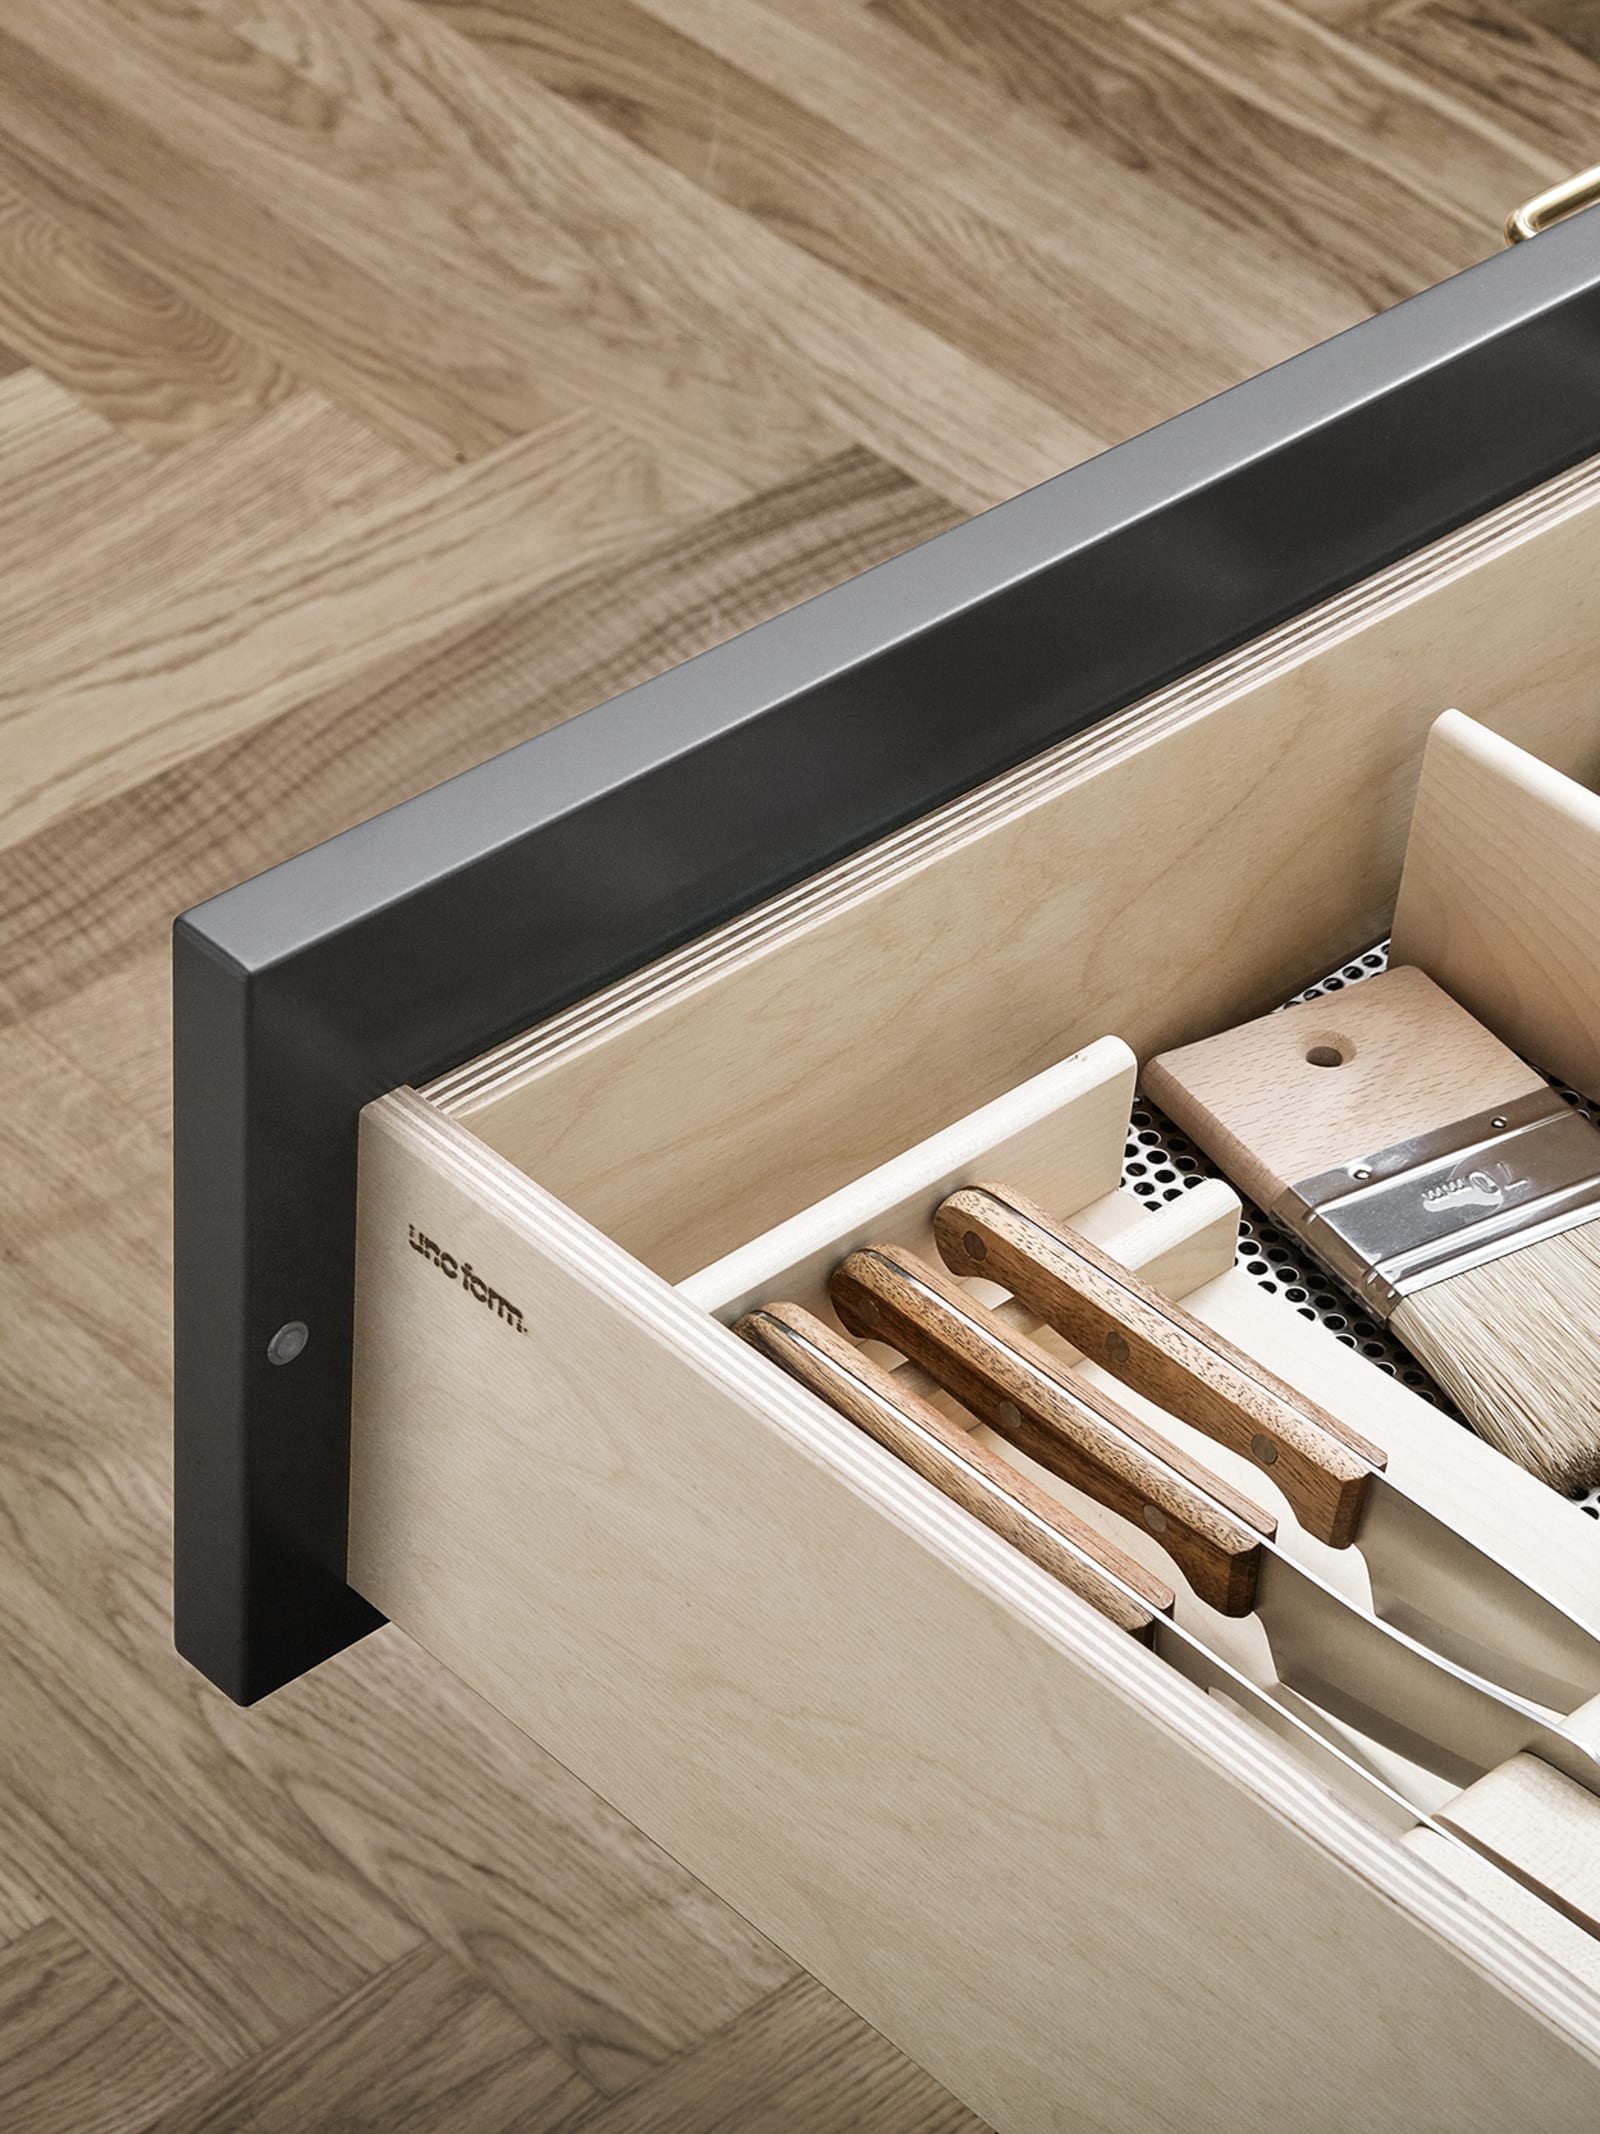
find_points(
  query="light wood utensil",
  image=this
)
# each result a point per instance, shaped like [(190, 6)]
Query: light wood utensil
[(1436, 1176)]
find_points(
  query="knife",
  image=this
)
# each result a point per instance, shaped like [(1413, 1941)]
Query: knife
[(943, 1453), (1354, 1666), (1428, 1580)]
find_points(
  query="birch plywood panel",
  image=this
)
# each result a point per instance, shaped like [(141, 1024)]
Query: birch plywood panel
[(655, 1542)]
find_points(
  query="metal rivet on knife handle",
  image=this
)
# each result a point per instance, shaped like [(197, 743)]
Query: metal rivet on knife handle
[(968, 1472), (1323, 1468), (1072, 1430)]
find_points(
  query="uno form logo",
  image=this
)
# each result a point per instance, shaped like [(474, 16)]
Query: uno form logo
[(455, 1270)]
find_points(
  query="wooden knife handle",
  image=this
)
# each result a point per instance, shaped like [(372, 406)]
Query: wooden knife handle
[(1163, 1352), (1072, 1430), (950, 1458)]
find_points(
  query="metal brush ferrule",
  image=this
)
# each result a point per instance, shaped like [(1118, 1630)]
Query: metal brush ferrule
[(1390, 1224)]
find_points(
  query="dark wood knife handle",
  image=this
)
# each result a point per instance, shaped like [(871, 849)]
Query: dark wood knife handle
[(1323, 1468), (953, 1460), (1072, 1430)]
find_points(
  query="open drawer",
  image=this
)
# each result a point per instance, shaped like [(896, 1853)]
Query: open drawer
[(1078, 1890)]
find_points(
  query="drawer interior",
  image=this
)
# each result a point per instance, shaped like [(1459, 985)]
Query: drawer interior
[(639, 1541), (1193, 860)]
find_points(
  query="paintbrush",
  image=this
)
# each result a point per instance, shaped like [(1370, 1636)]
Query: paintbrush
[(1435, 1176)]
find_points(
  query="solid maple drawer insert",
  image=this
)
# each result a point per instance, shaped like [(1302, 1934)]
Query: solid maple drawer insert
[(1078, 1889)]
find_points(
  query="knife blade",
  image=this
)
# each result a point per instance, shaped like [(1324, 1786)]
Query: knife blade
[(1357, 1667), (944, 1453), (1428, 1580)]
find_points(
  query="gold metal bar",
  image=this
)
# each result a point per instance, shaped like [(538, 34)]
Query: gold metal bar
[(1554, 205)]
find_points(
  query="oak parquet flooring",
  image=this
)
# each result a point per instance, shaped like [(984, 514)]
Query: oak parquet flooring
[(90, 707), (21, 1906), (1534, 78), (788, 2063), (92, 524), (332, 321), (98, 886), (1004, 299), (82, 2054), (1262, 174), (676, 278), (382, 381), (419, 2048), (208, 1888), (1351, 94), (599, 1943), (117, 337)]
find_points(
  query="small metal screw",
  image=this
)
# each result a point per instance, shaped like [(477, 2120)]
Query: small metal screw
[(973, 1246), (288, 1341), (1264, 1449), (1497, 1124), (1117, 1347), (1155, 1519)]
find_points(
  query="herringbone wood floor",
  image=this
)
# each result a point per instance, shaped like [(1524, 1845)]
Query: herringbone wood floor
[(381, 382)]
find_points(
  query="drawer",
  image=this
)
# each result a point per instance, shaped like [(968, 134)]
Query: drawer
[(1132, 758)]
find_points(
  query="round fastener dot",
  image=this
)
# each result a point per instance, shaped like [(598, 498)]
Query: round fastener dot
[(1155, 1519), (1117, 1346), (1009, 1414), (1264, 1448), (287, 1343), (973, 1246), (867, 1309)]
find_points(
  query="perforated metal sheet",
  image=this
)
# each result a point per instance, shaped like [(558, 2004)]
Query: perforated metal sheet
[(1160, 1163)]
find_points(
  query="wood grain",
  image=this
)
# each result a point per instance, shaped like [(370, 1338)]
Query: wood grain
[(85, 713), (1542, 1821), (274, 281), (796, 2060), (118, 338), (631, 1596), (1500, 898), (1211, 1533), (81, 896), (1064, 1129), (82, 2053), (953, 1461), (1281, 1099), (1109, 1314), (419, 2045), (1254, 162)]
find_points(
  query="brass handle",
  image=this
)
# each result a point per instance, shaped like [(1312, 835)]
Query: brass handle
[(1553, 205)]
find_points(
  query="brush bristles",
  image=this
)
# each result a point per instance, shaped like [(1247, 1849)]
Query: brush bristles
[(1516, 1345)]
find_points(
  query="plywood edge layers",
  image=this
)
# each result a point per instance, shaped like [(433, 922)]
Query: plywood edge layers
[(471, 1090)]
